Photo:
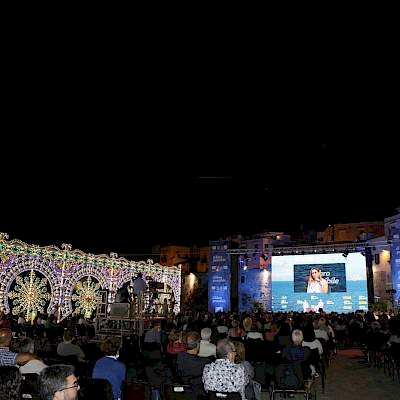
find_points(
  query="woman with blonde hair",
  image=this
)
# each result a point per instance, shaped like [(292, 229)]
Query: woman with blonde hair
[(316, 284), (251, 330), (236, 330)]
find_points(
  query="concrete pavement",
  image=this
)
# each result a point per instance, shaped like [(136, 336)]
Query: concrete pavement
[(349, 377)]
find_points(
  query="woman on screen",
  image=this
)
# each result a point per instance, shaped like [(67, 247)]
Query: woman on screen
[(316, 284)]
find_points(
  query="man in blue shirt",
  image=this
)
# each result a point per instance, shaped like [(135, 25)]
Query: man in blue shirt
[(109, 367)]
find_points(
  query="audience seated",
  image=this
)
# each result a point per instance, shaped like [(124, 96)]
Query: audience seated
[(67, 348), (10, 383), (109, 367), (33, 366), (176, 343), (7, 357), (190, 365), (296, 353), (58, 382), (240, 358), (223, 374), (207, 349), (236, 331)]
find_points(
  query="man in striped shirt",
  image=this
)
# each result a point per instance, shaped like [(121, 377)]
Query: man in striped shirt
[(7, 357)]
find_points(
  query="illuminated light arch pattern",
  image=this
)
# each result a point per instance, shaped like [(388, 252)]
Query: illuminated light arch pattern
[(86, 297), (63, 268), (77, 273), (18, 265), (29, 295)]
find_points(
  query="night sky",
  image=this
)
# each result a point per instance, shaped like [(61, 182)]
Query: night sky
[(127, 194), (118, 149)]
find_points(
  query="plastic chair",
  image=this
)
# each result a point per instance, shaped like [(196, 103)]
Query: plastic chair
[(289, 380), (178, 392), (99, 389), (137, 390), (213, 395), (30, 385)]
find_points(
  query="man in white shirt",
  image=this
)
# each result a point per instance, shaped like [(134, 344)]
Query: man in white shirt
[(224, 375)]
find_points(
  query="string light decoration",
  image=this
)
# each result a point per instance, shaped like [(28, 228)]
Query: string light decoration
[(86, 297), (30, 295), (64, 268)]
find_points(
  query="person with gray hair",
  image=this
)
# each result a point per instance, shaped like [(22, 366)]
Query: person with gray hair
[(224, 375), (296, 353), (58, 382), (33, 366), (207, 349)]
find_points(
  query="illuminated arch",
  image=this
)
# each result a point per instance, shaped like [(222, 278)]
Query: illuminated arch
[(19, 265), (77, 273), (64, 267)]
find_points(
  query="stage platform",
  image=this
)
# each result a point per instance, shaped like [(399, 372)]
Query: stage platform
[(117, 326)]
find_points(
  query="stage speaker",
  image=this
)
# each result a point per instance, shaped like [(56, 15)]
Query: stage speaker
[(119, 310)]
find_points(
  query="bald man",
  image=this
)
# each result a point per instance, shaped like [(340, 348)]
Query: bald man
[(7, 357)]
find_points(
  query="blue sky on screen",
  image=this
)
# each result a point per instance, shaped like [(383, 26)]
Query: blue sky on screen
[(282, 266)]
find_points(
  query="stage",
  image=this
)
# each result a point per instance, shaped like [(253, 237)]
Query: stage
[(117, 326)]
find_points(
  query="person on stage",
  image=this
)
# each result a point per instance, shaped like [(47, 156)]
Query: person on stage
[(165, 306), (139, 287)]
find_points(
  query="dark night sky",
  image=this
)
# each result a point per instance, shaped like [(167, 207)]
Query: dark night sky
[(89, 152), (125, 195)]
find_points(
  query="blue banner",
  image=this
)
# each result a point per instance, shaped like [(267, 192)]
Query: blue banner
[(255, 290), (395, 264), (219, 278)]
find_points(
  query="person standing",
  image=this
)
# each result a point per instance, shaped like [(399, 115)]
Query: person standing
[(139, 287), (165, 306)]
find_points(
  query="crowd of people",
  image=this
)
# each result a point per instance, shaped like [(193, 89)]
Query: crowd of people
[(205, 352)]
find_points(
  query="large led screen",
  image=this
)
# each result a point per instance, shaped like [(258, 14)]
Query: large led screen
[(309, 282)]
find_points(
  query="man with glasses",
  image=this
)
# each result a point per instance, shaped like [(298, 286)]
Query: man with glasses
[(224, 375), (58, 382)]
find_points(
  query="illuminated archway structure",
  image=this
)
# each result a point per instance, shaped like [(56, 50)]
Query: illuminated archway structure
[(64, 268)]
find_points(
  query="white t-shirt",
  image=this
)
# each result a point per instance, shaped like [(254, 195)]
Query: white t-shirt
[(32, 367), (315, 344)]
